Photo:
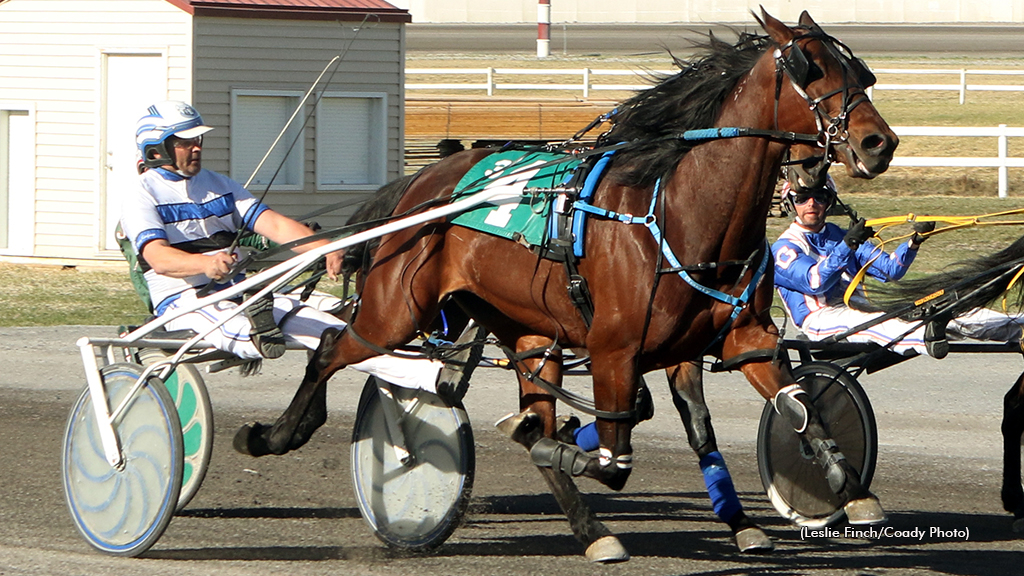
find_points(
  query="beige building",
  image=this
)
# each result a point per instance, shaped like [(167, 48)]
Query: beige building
[(75, 76)]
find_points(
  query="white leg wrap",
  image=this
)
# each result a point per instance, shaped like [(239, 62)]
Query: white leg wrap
[(604, 457)]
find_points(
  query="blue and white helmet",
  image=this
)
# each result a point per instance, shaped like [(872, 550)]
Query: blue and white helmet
[(162, 120)]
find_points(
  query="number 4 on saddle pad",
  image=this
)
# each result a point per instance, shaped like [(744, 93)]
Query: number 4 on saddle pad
[(531, 179)]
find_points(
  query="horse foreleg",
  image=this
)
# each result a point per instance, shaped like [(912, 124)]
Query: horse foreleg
[(792, 403), (557, 462), (1012, 428), (687, 386), (306, 413)]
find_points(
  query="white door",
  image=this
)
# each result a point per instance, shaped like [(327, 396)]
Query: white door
[(133, 82), (17, 193)]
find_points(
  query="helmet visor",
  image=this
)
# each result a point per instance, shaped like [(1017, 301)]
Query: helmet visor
[(193, 132)]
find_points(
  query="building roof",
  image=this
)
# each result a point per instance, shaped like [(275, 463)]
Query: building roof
[(349, 10)]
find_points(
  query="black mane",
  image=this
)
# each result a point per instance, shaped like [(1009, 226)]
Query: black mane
[(689, 99)]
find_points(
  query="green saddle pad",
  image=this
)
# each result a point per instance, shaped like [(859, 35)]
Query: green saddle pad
[(530, 178)]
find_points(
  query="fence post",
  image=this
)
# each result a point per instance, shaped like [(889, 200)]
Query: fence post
[(963, 85), (490, 81), (1002, 161), (586, 82)]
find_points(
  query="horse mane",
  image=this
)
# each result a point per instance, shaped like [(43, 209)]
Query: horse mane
[(380, 206), (978, 282), (689, 99)]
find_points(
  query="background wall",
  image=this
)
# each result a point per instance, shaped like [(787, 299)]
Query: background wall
[(719, 11)]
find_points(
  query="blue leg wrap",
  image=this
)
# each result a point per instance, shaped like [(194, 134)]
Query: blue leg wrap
[(586, 437), (720, 487)]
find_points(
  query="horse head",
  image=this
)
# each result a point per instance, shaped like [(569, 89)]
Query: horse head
[(823, 73)]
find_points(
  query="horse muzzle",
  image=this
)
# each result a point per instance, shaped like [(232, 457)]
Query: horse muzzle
[(869, 156)]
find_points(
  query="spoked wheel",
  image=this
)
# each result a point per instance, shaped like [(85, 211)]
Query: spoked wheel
[(124, 510), (188, 391), (418, 503), (795, 483)]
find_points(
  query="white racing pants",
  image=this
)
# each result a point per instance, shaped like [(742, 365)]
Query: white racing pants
[(305, 327), (978, 324)]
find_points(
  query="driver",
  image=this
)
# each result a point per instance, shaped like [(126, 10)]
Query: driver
[(815, 261), (181, 219)]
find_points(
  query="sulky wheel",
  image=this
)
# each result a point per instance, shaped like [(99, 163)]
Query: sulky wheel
[(123, 510), (416, 504), (188, 391), (795, 483)]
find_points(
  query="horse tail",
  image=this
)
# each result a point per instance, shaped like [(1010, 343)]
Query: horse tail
[(966, 285), (375, 210)]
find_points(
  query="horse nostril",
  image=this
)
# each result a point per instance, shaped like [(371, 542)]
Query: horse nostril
[(877, 144)]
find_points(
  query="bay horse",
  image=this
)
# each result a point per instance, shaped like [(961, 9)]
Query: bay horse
[(708, 203), (965, 286)]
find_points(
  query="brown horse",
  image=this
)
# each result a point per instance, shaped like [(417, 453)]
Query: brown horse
[(707, 203)]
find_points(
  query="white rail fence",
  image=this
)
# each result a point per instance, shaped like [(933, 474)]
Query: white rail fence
[(586, 80), (1002, 160)]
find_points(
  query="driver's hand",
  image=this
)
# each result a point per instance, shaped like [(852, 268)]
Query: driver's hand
[(334, 264), (218, 265)]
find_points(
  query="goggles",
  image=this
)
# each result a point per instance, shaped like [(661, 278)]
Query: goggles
[(822, 197)]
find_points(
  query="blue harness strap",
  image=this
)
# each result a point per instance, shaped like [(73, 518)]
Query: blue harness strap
[(649, 220), (579, 218)]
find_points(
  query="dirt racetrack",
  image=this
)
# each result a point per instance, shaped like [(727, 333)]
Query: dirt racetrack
[(296, 514)]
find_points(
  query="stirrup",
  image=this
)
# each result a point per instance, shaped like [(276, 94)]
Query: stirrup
[(265, 333)]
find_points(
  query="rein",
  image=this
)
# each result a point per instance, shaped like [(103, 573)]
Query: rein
[(955, 223)]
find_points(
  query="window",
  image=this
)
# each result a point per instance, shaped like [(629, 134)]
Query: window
[(257, 118), (351, 140)]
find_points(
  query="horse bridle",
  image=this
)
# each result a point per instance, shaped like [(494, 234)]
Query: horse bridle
[(791, 61)]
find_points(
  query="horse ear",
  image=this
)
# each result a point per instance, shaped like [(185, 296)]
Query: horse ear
[(778, 31), (808, 22)]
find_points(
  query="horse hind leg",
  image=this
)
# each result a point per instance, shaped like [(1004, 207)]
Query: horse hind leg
[(1012, 428), (557, 462), (306, 413), (687, 387)]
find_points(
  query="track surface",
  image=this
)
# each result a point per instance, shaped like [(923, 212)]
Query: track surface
[(295, 514)]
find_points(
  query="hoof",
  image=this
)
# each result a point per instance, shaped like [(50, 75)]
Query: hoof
[(1018, 525), (753, 540), (249, 440), (524, 428), (865, 512), (607, 550)]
